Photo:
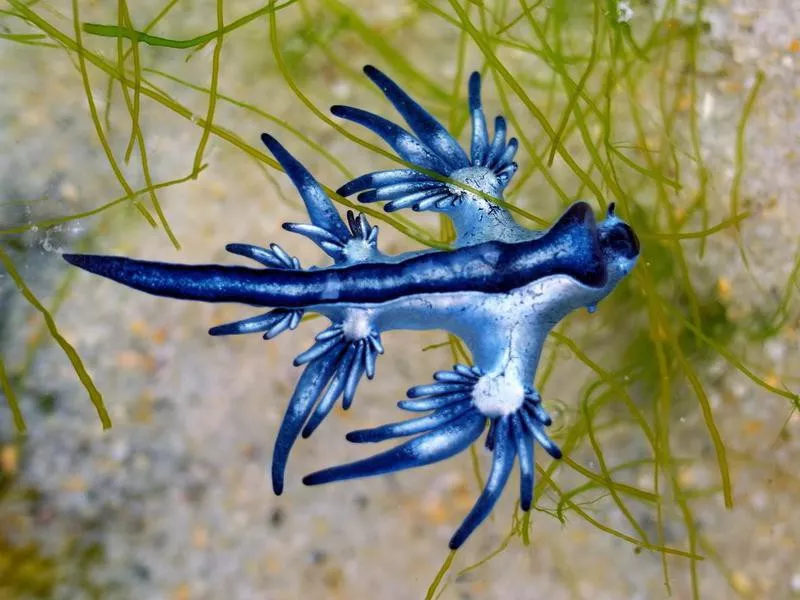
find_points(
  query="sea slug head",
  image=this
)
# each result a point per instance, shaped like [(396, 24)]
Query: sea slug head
[(619, 244)]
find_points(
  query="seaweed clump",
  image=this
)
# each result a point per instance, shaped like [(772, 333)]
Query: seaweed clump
[(605, 103)]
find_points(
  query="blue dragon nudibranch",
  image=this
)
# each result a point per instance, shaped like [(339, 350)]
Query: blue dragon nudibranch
[(501, 289)]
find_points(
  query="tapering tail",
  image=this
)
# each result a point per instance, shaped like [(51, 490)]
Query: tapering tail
[(207, 283)]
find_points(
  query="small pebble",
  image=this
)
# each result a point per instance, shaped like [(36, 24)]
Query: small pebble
[(9, 459), (742, 583), (794, 584), (277, 518), (200, 538), (362, 502), (775, 349)]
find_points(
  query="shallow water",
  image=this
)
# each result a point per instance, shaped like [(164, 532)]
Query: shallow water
[(174, 501)]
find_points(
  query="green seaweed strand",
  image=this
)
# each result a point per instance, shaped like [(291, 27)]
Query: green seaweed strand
[(11, 398), (135, 36), (212, 95), (94, 394), (738, 172), (93, 211), (440, 575)]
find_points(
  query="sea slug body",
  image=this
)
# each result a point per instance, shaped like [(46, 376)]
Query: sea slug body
[(501, 289)]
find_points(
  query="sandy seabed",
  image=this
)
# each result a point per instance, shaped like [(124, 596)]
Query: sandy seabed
[(176, 495)]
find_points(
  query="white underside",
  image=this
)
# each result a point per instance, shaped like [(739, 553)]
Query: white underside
[(498, 395)]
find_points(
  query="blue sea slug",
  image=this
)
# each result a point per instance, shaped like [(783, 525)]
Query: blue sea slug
[(501, 289)]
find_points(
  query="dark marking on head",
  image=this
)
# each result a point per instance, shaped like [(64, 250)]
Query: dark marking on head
[(621, 240)]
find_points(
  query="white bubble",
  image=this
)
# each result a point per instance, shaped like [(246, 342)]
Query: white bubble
[(624, 12)]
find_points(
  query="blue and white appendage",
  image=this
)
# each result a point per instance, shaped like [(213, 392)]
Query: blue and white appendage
[(487, 170), (341, 354), (456, 420)]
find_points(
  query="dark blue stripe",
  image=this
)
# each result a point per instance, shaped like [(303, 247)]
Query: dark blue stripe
[(569, 248)]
